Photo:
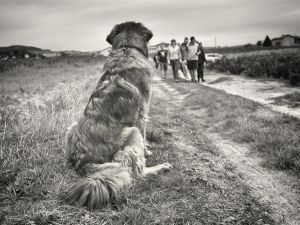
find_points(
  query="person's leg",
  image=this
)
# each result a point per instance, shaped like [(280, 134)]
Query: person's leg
[(161, 67), (181, 67), (176, 69), (199, 73), (165, 70), (202, 72), (172, 62), (185, 71), (195, 67), (192, 75), (189, 66)]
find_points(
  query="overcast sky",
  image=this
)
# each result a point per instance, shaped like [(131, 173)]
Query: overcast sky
[(84, 24)]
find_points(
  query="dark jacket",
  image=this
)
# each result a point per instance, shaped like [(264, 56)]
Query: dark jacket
[(162, 56), (201, 56)]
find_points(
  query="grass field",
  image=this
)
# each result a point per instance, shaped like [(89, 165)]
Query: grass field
[(38, 103)]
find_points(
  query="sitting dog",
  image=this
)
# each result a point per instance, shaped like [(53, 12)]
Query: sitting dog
[(107, 145)]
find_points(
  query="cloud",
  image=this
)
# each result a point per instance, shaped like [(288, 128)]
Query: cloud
[(83, 25)]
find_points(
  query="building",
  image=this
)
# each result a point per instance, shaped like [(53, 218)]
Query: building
[(51, 54), (286, 41), (152, 49), (155, 48)]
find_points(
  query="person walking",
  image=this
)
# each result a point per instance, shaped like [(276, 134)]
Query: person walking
[(192, 58), (183, 66), (174, 55), (163, 61), (155, 59), (201, 61)]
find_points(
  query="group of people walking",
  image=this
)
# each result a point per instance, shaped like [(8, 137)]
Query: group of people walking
[(189, 57)]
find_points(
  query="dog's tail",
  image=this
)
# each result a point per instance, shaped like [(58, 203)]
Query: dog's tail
[(100, 187)]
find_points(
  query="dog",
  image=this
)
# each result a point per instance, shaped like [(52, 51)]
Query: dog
[(106, 147)]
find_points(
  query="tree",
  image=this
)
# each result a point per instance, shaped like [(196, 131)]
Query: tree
[(267, 42), (259, 43)]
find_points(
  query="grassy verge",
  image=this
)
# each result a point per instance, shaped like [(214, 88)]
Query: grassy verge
[(37, 105), (220, 80), (275, 135), (207, 190), (51, 62), (293, 100)]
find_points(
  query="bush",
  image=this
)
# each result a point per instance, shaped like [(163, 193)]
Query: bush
[(295, 79), (277, 65)]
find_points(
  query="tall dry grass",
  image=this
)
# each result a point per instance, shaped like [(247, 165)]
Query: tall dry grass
[(38, 103), (29, 147)]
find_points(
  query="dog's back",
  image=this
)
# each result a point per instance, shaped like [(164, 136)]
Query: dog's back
[(120, 99)]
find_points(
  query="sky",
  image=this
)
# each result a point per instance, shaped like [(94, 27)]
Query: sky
[(84, 24)]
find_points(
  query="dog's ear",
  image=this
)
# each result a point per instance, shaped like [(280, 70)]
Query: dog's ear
[(108, 39), (149, 34), (111, 36), (144, 30)]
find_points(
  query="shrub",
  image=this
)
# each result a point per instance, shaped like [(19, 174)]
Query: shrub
[(277, 65), (295, 79)]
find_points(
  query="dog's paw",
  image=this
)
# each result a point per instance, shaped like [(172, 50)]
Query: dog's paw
[(147, 153), (167, 166), (147, 145)]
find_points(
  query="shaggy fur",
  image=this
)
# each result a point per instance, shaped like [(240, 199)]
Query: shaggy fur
[(107, 145)]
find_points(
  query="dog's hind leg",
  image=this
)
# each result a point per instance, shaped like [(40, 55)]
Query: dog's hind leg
[(142, 126), (147, 152), (154, 170), (132, 154)]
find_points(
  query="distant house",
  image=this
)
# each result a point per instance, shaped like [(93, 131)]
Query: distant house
[(51, 54), (286, 41), (154, 48)]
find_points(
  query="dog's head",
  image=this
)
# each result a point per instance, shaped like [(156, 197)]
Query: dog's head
[(130, 34)]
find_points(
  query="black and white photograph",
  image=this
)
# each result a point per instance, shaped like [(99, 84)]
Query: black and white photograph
[(149, 112)]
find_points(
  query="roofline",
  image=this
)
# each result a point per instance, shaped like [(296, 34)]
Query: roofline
[(274, 39), (161, 43), (283, 36)]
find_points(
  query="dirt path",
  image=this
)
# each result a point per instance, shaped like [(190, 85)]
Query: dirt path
[(261, 91), (272, 189)]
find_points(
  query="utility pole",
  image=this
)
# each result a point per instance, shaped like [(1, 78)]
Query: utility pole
[(215, 42)]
